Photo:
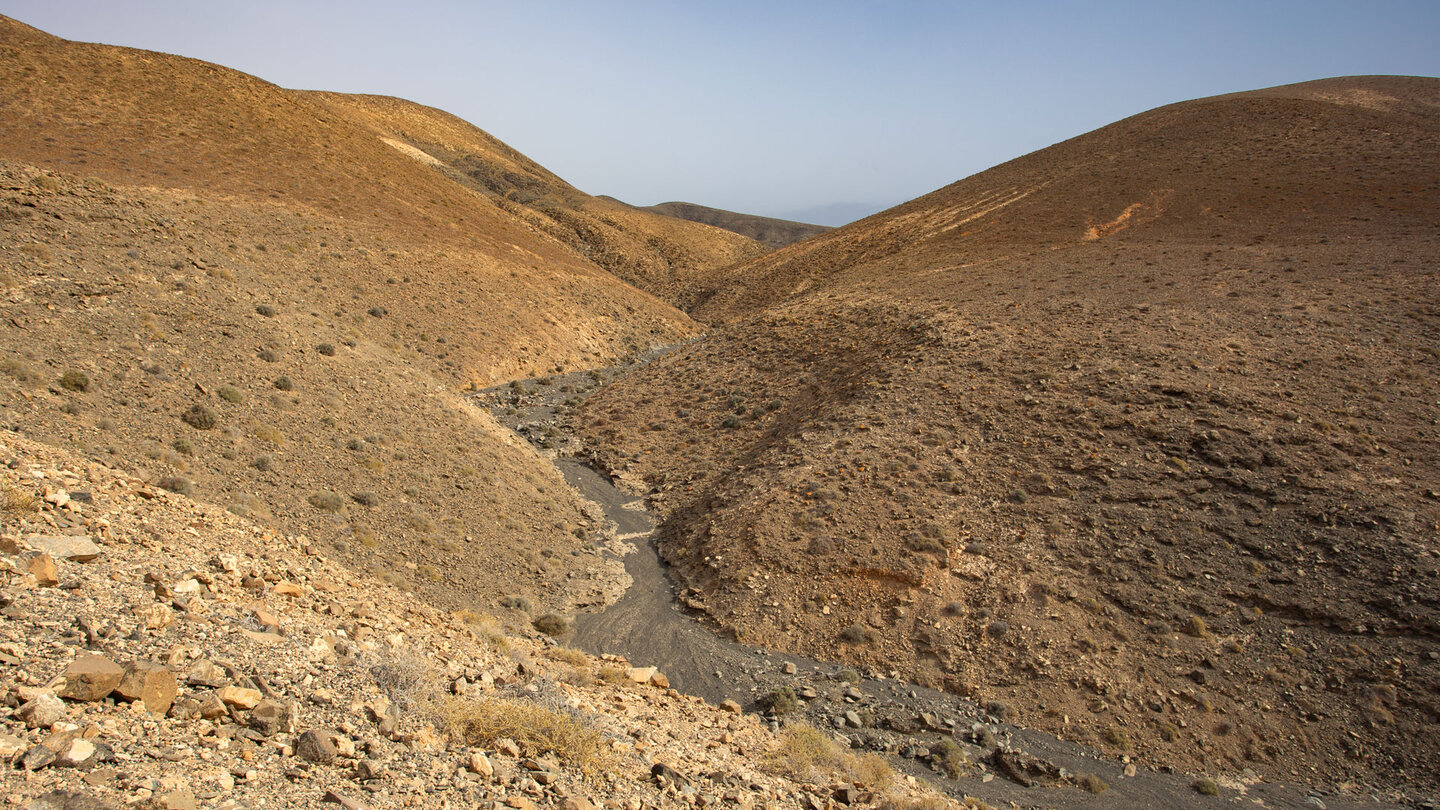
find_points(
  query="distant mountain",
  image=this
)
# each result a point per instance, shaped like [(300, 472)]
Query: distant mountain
[(835, 214), (775, 233)]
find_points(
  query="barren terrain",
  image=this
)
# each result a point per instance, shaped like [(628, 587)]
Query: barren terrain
[(1134, 434)]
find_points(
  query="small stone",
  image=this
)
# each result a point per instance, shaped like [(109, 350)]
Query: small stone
[(175, 800), (80, 753), (289, 589), (91, 677), (37, 757), (65, 800), (479, 764), (369, 770), (315, 746), (852, 719), (10, 747), (507, 747), (730, 706), (642, 674), (240, 697), (42, 711), (211, 706), (659, 679), (150, 683), (577, 803), (545, 777), (789, 668), (207, 673), (271, 717), (156, 616), (64, 547), (42, 567)]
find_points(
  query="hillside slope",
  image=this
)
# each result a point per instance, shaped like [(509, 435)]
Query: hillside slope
[(1134, 434), (657, 253), (275, 677), (259, 301)]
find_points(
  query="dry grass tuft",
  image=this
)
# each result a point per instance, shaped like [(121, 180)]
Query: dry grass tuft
[(536, 729), (16, 502), (808, 754)]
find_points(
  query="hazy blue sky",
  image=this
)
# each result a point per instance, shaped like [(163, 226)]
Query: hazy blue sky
[(773, 107)]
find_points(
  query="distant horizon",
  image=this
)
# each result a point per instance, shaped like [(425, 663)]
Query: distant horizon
[(819, 114)]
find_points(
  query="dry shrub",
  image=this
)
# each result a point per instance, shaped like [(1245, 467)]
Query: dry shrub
[(537, 730), (16, 502), (569, 655), (408, 680), (808, 754)]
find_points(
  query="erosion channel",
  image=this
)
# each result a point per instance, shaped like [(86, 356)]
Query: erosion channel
[(922, 730)]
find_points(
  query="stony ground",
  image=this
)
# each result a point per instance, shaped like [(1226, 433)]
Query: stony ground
[(155, 649), (1135, 434)]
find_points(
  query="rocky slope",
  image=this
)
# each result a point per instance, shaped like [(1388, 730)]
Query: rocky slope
[(1134, 434), (269, 299), (656, 250), (161, 653)]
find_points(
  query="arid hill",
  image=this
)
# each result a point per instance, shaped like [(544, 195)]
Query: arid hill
[(1135, 435), (658, 253), (268, 300), (774, 233)]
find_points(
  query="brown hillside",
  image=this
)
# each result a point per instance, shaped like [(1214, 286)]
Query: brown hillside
[(660, 254), (186, 236), (773, 233), (1135, 434)]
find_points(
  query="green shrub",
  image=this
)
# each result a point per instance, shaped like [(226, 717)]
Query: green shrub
[(551, 624), (327, 501), (326, 349), (1092, 783), (176, 484), (183, 446), (200, 417), (365, 498), (1206, 786), (263, 463), (230, 394), (950, 758), (75, 381), (266, 310), (781, 701), (857, 634), (515, 603), (283, 384), (269, 355)]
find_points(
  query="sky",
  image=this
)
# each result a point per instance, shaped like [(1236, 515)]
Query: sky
[(822, 110)]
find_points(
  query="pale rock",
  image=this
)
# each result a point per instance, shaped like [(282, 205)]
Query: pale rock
[(42, 711), (659, 679), (90, 677), (730, 706), (207, 673), (577, 803), (78, 548), (240, 697), (289, 589), (42, 567), (10, 747), (150, 684), (186, 587), (155, 616), (479, 764), (642, 674), (78, 754)]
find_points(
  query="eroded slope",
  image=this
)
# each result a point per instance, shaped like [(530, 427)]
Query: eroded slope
[(1162, 481)]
